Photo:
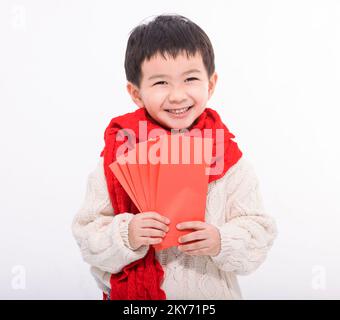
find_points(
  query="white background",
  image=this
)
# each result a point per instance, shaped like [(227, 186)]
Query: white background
[(62, 79)]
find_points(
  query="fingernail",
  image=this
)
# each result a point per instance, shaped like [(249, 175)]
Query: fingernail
[(167, 221), (178, 226)]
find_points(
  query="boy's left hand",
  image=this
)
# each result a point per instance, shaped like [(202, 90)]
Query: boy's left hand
[(208, 235)]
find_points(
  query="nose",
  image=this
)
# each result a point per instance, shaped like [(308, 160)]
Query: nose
[(177, 95)]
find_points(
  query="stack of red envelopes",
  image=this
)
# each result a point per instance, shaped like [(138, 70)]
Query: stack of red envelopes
[(169, 175)]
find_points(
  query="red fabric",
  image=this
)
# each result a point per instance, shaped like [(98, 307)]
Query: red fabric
[(141, 279)]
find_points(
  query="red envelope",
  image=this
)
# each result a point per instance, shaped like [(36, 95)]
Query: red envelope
[(122, 174), (170, 176)]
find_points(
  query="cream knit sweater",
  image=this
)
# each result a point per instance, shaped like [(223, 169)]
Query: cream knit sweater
[(234, 205)]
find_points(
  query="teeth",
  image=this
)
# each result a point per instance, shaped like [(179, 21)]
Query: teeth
[(178, 111)]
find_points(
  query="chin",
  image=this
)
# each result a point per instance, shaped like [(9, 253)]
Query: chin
[(183, 125)]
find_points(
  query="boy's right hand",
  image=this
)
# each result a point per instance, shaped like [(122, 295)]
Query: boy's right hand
[(147, 228)]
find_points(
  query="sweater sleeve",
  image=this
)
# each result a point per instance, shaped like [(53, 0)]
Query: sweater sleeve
[(103, 237), (248, 232)]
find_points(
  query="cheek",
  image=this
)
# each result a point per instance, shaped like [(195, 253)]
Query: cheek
[(155, 98), (198, 93)]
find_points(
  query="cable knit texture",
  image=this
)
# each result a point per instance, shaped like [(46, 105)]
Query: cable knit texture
[(234, 206)]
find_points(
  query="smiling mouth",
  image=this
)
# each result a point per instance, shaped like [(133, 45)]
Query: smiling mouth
[(179, 111)]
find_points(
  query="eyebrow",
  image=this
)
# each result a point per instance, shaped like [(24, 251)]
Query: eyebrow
[(165, 76)]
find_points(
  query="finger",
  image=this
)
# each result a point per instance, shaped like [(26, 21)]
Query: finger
[(196, 235), (149, 241), (151, 223), (194, 246), (191, 225), (156, 216), (149, 232)]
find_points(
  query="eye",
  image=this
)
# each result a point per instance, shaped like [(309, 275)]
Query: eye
[(192, 78), (159, 82)]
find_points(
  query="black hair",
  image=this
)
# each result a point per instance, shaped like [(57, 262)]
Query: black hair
[(167, 33)]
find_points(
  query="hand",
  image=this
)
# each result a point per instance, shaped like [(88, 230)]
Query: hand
[(208, 235), (147, 228)]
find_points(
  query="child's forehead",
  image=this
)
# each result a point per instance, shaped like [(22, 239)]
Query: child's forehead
[(168, 64)]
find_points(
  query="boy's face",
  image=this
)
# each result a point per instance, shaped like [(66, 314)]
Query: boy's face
[(167, 84)]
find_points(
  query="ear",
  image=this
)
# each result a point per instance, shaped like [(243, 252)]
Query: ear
[(212, 84), (135, 94)]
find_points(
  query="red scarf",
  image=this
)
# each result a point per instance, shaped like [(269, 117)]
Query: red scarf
[(141, 279)]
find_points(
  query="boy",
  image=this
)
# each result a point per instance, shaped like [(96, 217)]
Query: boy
[(170, 69)]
